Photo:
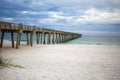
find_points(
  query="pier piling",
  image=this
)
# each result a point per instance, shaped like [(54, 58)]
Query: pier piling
[(12, 39), (2, 39), (27, 37)]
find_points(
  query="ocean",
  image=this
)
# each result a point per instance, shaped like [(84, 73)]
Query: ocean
[(97, 40), (85, 39)]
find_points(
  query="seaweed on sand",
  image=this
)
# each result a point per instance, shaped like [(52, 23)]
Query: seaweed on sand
[(7, 63)]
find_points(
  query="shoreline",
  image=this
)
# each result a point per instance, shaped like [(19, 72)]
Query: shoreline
[(8, 44)]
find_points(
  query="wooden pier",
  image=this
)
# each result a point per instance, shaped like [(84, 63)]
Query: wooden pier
[(43, 35)]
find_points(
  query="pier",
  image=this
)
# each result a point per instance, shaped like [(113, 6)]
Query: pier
[(43, 35)]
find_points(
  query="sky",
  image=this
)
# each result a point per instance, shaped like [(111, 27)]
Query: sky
[(89, 17)]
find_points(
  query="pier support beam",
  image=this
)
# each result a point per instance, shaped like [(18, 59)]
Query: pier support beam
[(49, 38), (65, 37), (60, 38), (31, 38), (0, 26), (53, 38), (41, 38), (1, 44), (18, 38), (56, 38), (27, 36), (12, 39), (38, 37), (44, 39)]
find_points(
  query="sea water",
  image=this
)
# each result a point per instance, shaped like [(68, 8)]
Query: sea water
[(85, 39), (97, 40)]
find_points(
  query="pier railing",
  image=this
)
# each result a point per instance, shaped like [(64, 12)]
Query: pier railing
[(53, 36)]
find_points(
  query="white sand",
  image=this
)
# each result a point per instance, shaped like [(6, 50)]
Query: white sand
[(63, 62)]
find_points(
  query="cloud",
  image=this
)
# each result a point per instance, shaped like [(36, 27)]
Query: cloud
[(89, 16), (87, 3), (6, 19), (64, 14), (95, 16)]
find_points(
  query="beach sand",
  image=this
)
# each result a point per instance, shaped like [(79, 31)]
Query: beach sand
[(62, 62)]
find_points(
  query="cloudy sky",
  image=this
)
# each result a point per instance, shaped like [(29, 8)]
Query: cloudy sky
[(83, 16)]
